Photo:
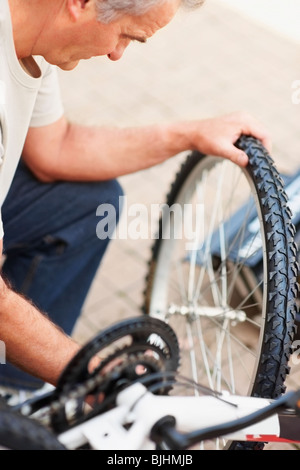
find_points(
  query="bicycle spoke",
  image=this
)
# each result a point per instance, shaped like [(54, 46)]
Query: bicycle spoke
[(211, 228), (204, 353), (192, 355)]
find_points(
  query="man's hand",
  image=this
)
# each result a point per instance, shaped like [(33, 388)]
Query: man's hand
[(217, 136)]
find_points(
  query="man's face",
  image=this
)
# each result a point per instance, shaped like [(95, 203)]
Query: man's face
[(91, 38)]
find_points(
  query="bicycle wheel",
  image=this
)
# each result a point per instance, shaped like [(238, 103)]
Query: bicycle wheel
[(223, 273), (18, 432)]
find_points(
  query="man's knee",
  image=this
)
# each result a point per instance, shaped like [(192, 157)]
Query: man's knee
[(89, 196), (114, 196), (88, 199), (109, 210)]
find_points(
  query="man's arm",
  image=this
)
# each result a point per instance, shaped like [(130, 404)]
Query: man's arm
[(64, 151), (33, 342)]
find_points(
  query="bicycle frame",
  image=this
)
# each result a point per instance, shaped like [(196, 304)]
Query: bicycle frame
[(141, 420)]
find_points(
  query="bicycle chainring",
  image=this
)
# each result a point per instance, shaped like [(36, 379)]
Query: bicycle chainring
[(139, 349)]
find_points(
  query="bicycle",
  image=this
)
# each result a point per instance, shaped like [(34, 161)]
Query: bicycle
[(140, 407), (247, 283)]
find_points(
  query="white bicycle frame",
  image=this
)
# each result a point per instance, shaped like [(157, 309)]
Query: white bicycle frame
[(128, 426)]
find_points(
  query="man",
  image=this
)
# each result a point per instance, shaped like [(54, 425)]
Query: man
[(67, 170)]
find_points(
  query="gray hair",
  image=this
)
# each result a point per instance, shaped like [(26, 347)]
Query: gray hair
[(109, 10)]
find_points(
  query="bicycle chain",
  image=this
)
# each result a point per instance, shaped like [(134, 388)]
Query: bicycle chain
[(79, 392)]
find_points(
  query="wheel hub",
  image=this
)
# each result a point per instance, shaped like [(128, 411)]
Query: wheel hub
[(221, 313)]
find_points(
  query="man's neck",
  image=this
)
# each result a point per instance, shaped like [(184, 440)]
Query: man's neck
[(28, 20)]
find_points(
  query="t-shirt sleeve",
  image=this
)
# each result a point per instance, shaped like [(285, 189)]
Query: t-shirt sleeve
[(48, 106)]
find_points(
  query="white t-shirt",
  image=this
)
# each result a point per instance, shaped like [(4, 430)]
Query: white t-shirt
[(25, 101)]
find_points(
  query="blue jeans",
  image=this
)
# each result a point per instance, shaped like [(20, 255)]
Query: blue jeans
[(52, 251)]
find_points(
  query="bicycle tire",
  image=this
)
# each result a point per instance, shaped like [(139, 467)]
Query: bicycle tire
[(17, 432), (277, 289)]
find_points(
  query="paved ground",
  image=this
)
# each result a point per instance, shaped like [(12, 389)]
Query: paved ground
[(205, 63)]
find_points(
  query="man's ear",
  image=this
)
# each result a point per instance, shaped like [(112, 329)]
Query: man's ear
[(75, 8)]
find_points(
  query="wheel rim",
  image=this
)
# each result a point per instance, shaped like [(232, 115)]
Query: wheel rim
[(213, 298)]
